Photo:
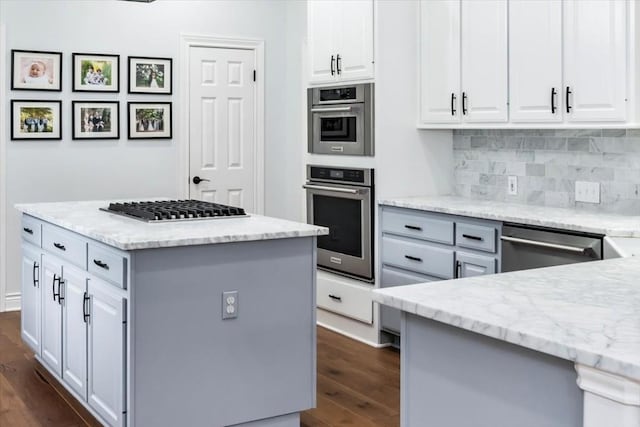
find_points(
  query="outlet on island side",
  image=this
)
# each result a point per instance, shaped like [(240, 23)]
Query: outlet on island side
[(229, 305), (512, 185), (587, 192)]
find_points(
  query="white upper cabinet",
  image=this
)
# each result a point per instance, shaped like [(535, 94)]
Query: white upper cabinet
[(340, 40), (595, 73), (535, 61)]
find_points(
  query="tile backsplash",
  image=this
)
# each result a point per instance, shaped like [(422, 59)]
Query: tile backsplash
[(548, 163)]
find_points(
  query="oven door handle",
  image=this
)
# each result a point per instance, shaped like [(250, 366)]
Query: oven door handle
[(540, 244), (330, 110), (334, 189)]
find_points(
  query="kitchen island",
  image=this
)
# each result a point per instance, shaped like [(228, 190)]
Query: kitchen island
[(207, 322), (503, 350)]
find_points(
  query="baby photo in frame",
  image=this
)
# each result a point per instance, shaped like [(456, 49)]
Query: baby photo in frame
[(36, 70)]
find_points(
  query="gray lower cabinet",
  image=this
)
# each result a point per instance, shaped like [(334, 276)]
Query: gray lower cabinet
[(418, 247)]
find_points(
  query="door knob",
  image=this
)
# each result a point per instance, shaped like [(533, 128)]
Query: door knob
[(198, 180)]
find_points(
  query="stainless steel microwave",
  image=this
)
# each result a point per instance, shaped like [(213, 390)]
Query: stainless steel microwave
[(340, 120)]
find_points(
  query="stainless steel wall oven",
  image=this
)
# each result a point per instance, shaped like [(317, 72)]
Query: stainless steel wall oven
[(342, 200)]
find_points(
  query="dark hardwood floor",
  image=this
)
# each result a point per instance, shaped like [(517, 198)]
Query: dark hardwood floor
[(357, 385)]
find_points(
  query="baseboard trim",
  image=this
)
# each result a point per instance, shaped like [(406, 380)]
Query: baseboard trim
[(12, 301), (352, 336)]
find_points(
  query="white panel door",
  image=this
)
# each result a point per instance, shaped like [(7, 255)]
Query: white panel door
[(74, 330), (106, 351), (595, 60), (354, 54), (484, 60), (535, 61), (222, 128), (440, 61), (51, 314), (31, 298), (323, 20)]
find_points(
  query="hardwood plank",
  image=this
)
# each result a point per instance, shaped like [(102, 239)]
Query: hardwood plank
[(13, 411)]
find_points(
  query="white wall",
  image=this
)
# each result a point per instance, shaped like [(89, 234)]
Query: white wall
[(41, 171)]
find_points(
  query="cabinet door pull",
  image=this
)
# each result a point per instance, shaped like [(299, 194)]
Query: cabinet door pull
[(36, 281), (413, 258), (458, 270), (553, 100), (567, 99), (60, 293), (27, 230), (469, 236), (59, 246), (453, 104), (333, 71), (335, 298), (413, 227), (101, 264), (53, 286), (85, 311), (464, 103), (338, 67)]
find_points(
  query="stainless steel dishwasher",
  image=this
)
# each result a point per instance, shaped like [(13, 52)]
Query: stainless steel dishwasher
[(531, 247)]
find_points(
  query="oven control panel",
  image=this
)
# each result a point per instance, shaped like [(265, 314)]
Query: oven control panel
[(356, 175)]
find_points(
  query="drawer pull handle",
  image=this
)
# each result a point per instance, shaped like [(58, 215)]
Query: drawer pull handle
[(59, 246), (469, 236), (413, 227), (28, 230), (335, 298), (413, 258), (101, 264), (458, 274)]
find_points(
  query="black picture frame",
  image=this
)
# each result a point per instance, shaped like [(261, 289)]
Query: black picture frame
[(23, 62), (151, 127), (103, 81), (84, 128), (138, 65), (33, 128)]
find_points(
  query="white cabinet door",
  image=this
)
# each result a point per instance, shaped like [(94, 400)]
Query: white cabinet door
[(354, 53), (535, 61), (106, 351), (74, 330), (51, 313), (484, 60), (323, 21), (440, 61), (31, 298), (595, 43), (469, 265)]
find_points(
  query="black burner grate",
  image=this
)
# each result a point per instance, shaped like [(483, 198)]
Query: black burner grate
[(174, 210)]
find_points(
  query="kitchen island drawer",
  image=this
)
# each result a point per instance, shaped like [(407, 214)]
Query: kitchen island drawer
[(32, 230), (417, 257), (479, 237), (107, 264), (345, 299), (65, 244), (418, 225)]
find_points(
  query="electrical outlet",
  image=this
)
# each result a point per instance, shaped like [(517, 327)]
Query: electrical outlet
[(229, 305), (588, 192), (512, 185)]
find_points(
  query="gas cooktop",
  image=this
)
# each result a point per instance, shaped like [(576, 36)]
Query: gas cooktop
[(174, 210)]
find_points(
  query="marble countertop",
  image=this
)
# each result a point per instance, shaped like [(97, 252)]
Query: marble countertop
[(588, 313), (561, 218), (129, 234)]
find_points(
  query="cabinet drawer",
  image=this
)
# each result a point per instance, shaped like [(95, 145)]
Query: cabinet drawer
[(418, 257), (32, 230), (417, 225), (480, 237), (65, 244), (345, 299), (107, 264)]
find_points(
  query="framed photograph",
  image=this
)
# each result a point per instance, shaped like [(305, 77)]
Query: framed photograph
[(150, 75), (149, 120), (36, 70), (94, 72), (96, 120), (32, 120)]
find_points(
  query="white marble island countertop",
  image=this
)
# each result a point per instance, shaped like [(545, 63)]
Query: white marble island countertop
[(561, 218), (588, 313), (130, 234)]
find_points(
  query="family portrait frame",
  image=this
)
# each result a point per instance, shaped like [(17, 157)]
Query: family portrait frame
[(36, 120), (95, 72), (150, 75), (95, 120), (36, 70), (149, 120)]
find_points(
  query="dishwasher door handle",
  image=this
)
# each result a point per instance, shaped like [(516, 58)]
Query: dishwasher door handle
[(566, 248)]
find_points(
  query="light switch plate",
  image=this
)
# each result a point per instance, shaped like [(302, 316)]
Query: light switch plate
[(512, 185), (587, 192)]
